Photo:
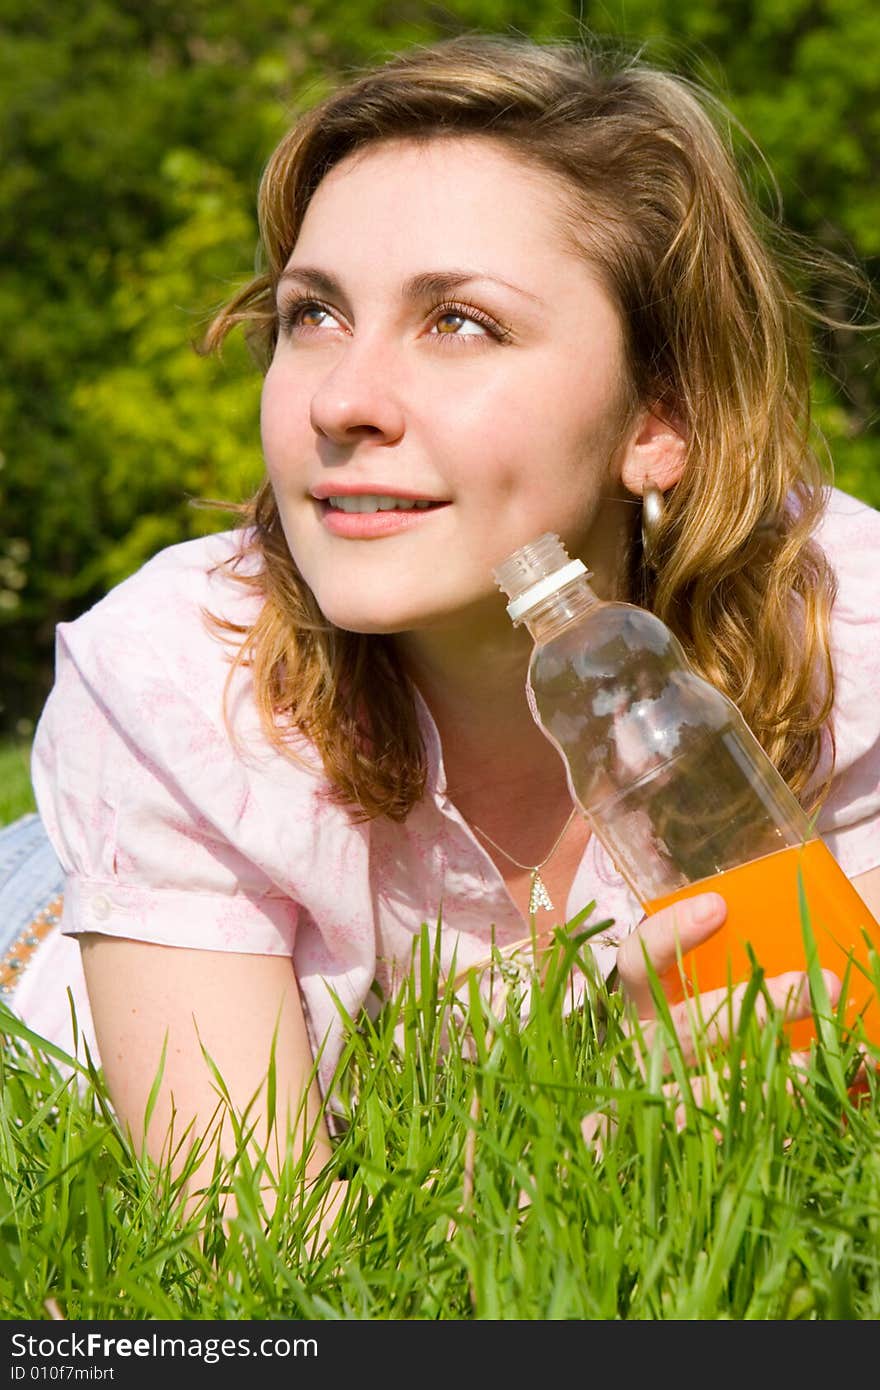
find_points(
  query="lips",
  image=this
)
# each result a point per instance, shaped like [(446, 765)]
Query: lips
[(384, 502), (369, 516)]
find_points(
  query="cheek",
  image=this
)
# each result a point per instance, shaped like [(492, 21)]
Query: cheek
[(548, 447), (283, 416), (269, 425), (571, 402)]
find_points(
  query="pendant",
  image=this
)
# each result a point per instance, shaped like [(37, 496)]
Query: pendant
[(538, 895)]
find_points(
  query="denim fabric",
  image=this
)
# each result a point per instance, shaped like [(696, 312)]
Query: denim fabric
[(30, 876)]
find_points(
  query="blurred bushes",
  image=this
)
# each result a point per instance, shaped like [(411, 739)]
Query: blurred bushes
[(133, 136)]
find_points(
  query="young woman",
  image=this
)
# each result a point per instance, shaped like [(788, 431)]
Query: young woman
[(509, 289)]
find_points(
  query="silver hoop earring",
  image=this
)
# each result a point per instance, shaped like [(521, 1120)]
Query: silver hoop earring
[(653, 512)]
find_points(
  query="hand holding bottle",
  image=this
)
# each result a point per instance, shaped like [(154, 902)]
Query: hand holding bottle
[(674, 931), (663, 937), (685, 801)]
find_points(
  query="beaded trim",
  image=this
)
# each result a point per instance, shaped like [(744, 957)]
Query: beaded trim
[(23, 948)]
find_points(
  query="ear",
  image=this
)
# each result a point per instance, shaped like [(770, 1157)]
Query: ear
[(655, 453)]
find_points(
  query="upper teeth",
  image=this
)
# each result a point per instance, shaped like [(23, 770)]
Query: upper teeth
[(362, 503)]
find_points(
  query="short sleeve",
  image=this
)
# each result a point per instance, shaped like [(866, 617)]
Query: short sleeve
[(849, 819), (143, 797)]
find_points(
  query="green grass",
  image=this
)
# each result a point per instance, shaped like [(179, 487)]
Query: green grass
[(16, 793), (472, 1192)]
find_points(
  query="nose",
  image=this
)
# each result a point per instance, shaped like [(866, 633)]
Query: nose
[(358, 400)]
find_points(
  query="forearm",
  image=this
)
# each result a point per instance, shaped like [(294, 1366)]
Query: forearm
[(206, 1056)]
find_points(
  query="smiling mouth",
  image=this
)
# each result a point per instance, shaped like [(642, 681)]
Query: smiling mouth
[(370, 503)]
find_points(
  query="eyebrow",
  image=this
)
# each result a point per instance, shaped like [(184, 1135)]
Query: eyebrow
[(428, 284)]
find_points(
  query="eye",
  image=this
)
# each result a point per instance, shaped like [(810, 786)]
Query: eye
[(465, 321), (305, 314), (457, 324), (450, 321)]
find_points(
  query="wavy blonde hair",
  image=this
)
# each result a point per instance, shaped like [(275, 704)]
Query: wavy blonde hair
[(715, 333)]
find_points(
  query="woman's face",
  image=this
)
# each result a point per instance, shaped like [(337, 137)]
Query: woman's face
[(448, 383)]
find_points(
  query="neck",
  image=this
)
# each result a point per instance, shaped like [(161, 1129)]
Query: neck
[(499, 765), (475, 690), (472, 676), (503, 776)]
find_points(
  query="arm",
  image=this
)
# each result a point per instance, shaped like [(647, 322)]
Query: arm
[(140, 991)]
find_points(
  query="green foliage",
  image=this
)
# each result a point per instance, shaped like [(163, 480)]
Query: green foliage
[(557, 1168), (16, 792), (133, 137)]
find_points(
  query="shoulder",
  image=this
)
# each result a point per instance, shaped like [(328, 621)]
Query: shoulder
[(145, 668), (155, 783), (153, 628), (150, 743), (176, 583), (849, 535)]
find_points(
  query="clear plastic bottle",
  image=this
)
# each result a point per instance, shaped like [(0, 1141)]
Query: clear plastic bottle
[(677, 788)]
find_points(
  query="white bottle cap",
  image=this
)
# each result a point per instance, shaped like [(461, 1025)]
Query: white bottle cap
[(544, 587)]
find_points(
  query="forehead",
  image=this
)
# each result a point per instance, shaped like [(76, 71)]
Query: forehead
[(444, 197)]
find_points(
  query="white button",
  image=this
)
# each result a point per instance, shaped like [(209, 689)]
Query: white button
[(101, 907)]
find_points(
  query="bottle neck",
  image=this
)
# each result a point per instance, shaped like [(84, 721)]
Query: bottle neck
[(555, 612)]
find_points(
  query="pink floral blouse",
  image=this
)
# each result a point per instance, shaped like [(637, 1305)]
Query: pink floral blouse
[(169, 833)]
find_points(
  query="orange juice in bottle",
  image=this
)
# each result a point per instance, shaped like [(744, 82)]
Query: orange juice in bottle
[(675, 785), (763, 910)]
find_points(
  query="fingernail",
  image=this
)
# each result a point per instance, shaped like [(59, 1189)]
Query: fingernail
[(706, 908)]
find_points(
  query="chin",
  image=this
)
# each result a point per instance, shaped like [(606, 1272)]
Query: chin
[(366, 627), (384, 617), (368, 621)]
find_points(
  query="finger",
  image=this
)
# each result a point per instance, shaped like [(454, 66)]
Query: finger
[(790, 993), (860, 1086), (800, 1060), (677, 928), (597, 1129), (703, 1091), (712, 1019)]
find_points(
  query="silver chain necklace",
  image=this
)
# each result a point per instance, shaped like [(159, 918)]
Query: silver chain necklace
[(538, 895)]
